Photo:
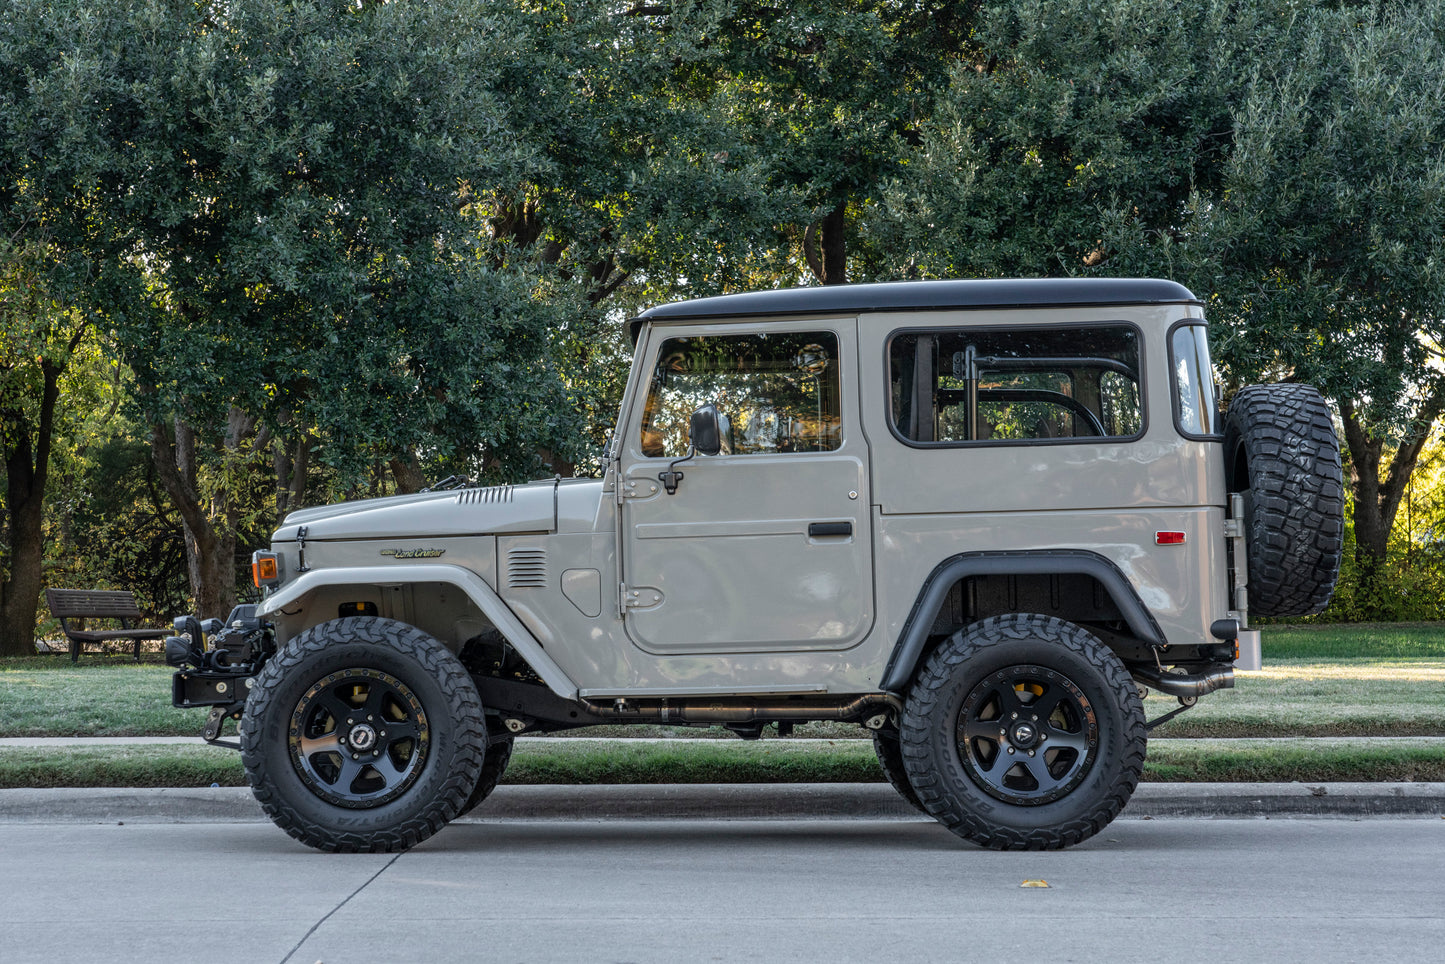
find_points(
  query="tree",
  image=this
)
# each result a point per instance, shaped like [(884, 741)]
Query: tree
[(1281, 159), (828, 91), (38, 338), (1070, 140), (270, 202), (1325, 236)]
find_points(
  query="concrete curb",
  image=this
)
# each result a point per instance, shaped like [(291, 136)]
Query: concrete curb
[(789, 801)]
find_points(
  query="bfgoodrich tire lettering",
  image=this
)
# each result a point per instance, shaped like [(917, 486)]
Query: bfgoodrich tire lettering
[(1023, 732), (1281, 452), (363, 735)]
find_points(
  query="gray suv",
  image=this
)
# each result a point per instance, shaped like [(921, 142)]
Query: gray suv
[(977, 518)]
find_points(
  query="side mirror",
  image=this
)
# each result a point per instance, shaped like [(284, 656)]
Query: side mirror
[(705, 431)]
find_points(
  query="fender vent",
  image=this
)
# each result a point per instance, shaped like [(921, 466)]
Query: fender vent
[(527, 569), (495, 493)]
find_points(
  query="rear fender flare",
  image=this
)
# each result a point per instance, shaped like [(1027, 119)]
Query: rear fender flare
[(911, 642)]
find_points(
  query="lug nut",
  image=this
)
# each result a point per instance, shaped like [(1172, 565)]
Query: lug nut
[(1011, 749), (1031, 753)]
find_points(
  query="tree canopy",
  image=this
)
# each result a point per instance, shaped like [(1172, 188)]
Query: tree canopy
[(332, 249)]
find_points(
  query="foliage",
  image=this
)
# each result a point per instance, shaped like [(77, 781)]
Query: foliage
[(268, 204), (40, 339), (340, 249), (275, 197), (119, 529), (1070, 141), (1279, 157)]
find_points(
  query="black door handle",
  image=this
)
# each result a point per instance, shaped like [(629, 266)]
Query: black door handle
[(816, 529)]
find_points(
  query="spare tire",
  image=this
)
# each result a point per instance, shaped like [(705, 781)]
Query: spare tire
[(1281, 453)]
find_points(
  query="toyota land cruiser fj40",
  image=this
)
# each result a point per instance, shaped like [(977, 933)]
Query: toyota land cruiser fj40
[(977, 518)]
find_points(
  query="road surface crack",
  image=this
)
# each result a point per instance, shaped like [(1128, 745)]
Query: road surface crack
[(314, 927)]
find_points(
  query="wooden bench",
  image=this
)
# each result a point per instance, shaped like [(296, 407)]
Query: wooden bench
[(82, 604)]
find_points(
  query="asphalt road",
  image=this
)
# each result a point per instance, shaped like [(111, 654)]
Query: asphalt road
[(901, 889)]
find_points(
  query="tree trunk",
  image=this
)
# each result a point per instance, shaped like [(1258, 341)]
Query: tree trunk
[(825, 247), (1377, 496), (291, 468), (27, 466), (210, 535), (408, 474)]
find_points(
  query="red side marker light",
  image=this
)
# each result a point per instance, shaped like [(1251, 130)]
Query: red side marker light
[(1169, 538)]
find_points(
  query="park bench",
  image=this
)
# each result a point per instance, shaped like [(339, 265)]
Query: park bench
[(83, 604)]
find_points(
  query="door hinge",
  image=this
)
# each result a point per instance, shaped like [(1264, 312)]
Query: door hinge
[(641, 598), (638, 488)]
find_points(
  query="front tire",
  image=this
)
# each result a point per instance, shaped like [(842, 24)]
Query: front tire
[(494, 764), (1023, 732), (363, 735)]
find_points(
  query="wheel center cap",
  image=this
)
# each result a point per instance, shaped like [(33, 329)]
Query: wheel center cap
[(1024, 735), (362, 737)]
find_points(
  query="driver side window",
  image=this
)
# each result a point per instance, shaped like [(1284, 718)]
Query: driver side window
[(776, 393)]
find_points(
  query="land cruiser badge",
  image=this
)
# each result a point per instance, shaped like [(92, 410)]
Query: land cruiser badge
[(412, 553)]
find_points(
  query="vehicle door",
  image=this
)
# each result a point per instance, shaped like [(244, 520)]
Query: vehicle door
[(765, 546)]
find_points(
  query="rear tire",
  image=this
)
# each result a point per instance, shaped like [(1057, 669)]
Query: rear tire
[(363, 735), (890, 759), (1023, 732)]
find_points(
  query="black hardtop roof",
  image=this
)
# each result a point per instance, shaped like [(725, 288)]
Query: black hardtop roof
[(924, 296)]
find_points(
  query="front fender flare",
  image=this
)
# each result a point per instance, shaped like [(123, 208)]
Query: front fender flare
[(909, 649), (481, 594)]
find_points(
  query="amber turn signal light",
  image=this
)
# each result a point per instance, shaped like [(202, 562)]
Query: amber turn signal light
[(264, 569)]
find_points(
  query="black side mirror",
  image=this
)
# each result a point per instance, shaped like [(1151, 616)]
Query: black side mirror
[(705, 432)]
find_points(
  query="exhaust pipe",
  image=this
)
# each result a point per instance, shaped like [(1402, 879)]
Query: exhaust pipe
[(1189, 686), (742, 711)]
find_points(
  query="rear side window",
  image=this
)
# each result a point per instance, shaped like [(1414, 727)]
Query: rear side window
[(1196, 411), (1015, 385)]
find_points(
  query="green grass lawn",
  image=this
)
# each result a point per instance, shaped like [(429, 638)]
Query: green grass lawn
[(1306, 697), (1367, 680), (1347, 681), (713, 761), (99, 696), (1355, 641)]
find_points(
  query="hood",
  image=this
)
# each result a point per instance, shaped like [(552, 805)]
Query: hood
[(454, 512)]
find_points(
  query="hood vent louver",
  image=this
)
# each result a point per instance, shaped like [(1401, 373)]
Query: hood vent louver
[(495, 493), (527, 569)]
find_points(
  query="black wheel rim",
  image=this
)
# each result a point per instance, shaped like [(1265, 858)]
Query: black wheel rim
[(1027, 735), (359, 738)]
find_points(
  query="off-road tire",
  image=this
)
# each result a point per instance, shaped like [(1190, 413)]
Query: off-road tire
[(454, 735), (890, 759), (1064, 659), (494, 764), (1281, 452)]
